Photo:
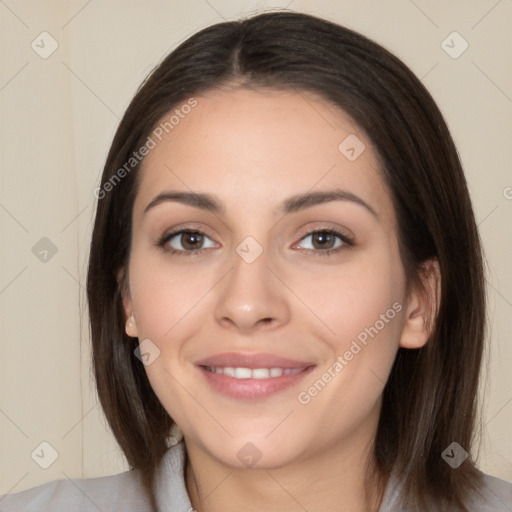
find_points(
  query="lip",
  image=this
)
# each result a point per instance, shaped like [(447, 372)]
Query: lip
[(257, 360), (252, 389)]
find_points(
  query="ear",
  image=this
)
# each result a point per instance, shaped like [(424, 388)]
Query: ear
[(422, 307), (131, 325)]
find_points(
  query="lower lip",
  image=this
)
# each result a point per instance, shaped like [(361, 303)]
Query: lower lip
[(251, 389)]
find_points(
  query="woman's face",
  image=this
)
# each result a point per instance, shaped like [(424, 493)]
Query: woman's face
[(294, 265)]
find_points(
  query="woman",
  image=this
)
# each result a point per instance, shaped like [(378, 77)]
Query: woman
[(285, 286)]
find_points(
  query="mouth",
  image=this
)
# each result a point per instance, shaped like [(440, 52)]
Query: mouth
[(253, 373), (252, 376)]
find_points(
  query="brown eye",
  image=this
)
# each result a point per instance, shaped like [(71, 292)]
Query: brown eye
[(186, 241), (325, 242), (191, 241)]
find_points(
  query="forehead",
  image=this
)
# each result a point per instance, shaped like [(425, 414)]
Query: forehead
[(254, 148)]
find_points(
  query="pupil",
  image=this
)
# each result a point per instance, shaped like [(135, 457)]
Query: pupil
[(324, 239), (191, 240)]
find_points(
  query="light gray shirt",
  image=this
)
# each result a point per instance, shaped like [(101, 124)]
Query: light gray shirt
[(124, 493)]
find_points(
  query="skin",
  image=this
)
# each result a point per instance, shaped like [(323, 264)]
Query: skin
[(253, 149)]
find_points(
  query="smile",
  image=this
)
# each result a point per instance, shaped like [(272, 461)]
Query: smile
[(253, 373), (252, 384)]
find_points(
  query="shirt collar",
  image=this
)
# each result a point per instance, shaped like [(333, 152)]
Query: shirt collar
[(171, 491), (172, 495)]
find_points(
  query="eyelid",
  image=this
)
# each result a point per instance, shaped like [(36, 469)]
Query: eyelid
[(346, 242), (336, 229), (345, 235), (164, 239), (196, 227)]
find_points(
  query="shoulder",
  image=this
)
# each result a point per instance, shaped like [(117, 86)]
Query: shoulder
[(110, 493), (495, 495)]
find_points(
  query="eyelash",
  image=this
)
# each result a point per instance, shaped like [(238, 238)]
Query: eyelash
[(347, 242)]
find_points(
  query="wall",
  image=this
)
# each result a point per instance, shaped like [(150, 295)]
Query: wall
[(59, 113)]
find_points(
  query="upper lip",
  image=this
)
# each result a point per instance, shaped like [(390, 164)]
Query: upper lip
[(258, 360)]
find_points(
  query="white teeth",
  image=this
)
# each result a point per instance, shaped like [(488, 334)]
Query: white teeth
[(276, 372), (256, 373), (230, 372), (243, 373), (260, 373)]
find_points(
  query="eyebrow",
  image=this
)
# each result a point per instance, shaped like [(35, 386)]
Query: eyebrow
[(293, 204)]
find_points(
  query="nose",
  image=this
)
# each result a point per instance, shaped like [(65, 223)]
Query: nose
[(252, 298)]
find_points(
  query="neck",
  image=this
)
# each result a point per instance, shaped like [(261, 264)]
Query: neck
[(333, 479)]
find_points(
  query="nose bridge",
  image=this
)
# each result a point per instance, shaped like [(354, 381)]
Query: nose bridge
[(249, 268), (251, 295)]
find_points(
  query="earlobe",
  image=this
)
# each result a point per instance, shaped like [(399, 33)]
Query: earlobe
[(422, 307), (130, 325)]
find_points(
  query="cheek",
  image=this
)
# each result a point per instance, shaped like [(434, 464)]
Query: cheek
[(167, 306), (359, 308), (364, 310), (164, 297), (355, 296)]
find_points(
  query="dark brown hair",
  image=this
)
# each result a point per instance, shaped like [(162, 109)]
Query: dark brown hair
[(429, 400)]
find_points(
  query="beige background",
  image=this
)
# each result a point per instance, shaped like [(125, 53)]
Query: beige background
[(58, 118)]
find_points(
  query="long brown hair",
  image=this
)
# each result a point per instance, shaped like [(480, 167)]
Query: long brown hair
[(429, 400)]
